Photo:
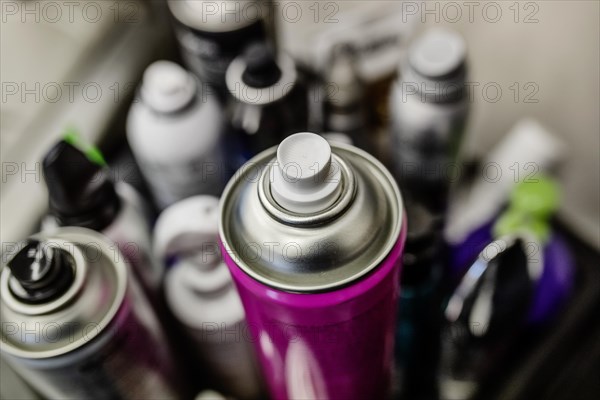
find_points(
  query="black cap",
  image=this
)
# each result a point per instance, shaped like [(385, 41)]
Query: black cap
[(80, 191), (261, 68), (42, 272)]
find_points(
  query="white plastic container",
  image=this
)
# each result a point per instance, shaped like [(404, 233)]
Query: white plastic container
[(202, 296), (174, 130)]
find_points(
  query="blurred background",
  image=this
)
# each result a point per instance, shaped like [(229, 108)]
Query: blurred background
[(77, 65), (96, 61)]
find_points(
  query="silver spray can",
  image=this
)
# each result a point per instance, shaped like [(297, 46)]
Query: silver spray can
[(429, 107), (76, 327), (174, 130), (211, 34), (202, 297)]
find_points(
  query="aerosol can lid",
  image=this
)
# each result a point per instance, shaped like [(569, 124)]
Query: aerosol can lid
[(40, 272), (54, 287), (217, 17), (188, 227), (80, 191), (167, 87), (306, 179), (317, 216), (261, 66), (438, 53)]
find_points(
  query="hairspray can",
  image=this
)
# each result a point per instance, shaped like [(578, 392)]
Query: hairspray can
[(82, 194), (76, 327), (174, 130), (211, 34), (200, 294), (313, 236), (269, 102), (429, 107)]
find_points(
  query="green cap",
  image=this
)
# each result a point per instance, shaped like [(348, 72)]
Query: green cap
[(532, 203), (94, 154), (538, 196)]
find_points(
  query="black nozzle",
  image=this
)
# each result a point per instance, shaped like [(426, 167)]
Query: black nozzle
[(43, 272), (80, 191), (514, 288), (507, 277), (261, 67)]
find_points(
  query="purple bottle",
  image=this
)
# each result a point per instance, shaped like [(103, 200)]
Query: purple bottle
[(313, 236)]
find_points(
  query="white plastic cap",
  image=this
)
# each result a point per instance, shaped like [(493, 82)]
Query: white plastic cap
[(305, 179), (437, 53), (167, 87), (190, 226), (222, 16)]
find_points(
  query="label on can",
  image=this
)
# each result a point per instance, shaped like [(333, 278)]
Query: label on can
[(179, 179)]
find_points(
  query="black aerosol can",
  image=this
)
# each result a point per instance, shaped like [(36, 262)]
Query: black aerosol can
[(211, 34)]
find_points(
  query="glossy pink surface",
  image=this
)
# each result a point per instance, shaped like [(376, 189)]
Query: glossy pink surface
[(331, 345)]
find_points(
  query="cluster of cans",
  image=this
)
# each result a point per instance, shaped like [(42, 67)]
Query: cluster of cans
[(288, 284)]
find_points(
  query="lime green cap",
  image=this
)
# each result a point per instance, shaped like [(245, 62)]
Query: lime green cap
[(532, 203), (94, 154), (538, 196)]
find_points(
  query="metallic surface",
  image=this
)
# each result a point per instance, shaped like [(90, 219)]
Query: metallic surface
[(311, 253), (323, 321), (93, 341)]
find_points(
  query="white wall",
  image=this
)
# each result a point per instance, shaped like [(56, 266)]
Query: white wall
[(561, 55)]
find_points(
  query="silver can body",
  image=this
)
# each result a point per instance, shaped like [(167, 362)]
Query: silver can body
[(426, 135), (428, 111), (99, 340)]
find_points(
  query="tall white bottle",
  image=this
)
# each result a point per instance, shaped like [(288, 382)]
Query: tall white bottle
[(174, 130), (201, 295)]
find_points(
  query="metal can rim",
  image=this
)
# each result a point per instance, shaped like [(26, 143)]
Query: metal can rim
[(120, 270), (261, 160)]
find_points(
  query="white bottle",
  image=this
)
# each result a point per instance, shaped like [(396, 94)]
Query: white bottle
[(174, 131), (201, 295)]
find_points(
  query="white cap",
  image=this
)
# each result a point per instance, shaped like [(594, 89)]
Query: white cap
[(305, 179), (437, 53), (222, 16), (167, 87), (187, 227)]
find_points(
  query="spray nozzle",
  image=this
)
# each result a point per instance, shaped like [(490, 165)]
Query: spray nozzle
[(306, 179), (40, 272), (261, 67), (80, 191)]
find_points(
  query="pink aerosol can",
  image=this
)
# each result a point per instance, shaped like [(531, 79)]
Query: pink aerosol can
[(313, 235)]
